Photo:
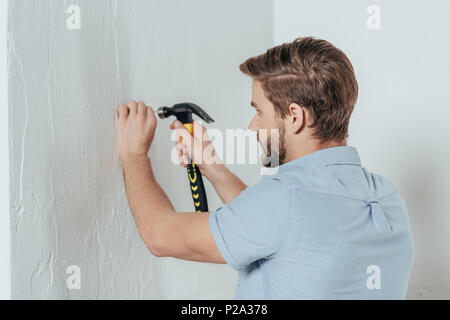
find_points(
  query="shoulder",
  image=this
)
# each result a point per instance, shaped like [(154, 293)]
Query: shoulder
[(299, 179), (269, 197), (269, 188), (379, 185)]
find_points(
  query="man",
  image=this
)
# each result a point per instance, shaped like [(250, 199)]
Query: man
[(322, 227)]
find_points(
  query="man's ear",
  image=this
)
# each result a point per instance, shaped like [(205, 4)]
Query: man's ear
[(297, 117)]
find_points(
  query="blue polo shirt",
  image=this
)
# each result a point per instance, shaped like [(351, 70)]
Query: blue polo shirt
[(322, 227)]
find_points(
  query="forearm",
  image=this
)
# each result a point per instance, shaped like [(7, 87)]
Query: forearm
[(149, 204), (227, 185)]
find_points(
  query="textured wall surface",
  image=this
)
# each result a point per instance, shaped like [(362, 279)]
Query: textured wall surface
[(400, 122), (68, 203), (5, 274)]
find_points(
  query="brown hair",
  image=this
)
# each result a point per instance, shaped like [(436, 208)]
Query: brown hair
[(312, 73)]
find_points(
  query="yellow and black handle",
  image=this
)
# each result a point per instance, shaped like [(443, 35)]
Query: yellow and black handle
[(183, 112), (196, 181)]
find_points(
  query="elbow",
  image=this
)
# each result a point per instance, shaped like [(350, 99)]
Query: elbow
[(154, 245), (157, 250), (154, 236)]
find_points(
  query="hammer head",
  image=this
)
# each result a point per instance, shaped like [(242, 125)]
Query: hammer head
[(183, 112)]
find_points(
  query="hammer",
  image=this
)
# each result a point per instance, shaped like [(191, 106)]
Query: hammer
[(183, 112)]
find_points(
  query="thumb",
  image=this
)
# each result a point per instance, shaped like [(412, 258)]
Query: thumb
[(185, 137)]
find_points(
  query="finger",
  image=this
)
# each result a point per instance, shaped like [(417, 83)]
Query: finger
[(133, 106), (172, 125), (184, 160), (182, 154), (141, 108), (151, 118), (150, 111), (176, 124), (123, 112), (182, 134), (186, 145), (179, 146)]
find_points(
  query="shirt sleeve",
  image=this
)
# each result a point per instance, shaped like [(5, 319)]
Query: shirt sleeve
[(252, 226)]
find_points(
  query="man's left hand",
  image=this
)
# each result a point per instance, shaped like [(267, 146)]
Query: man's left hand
[(135, 129)]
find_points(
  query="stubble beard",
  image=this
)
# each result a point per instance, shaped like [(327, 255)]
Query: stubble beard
[(275, 153)]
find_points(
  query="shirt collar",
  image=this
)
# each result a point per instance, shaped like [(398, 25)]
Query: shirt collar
[(323, 157)]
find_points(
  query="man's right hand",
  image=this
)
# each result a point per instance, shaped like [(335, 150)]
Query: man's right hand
[(199, 147), (227, 185)]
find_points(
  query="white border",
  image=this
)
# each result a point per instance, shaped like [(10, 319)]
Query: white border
[(5, 271)]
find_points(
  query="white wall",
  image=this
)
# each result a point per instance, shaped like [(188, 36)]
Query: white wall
[(401, 121), (5, 283), (68, 199)]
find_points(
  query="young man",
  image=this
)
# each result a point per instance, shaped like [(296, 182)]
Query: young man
[(322, 227)]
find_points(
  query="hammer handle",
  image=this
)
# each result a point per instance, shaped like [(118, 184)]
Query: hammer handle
[(196, 181)]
